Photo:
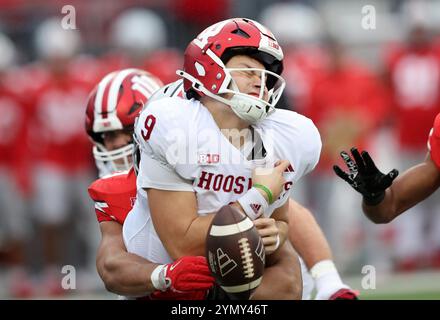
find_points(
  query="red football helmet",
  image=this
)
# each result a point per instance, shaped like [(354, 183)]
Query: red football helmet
[(113, 105), (206, 74)]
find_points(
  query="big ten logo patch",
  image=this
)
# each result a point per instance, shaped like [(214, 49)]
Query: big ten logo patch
[(208, 158)]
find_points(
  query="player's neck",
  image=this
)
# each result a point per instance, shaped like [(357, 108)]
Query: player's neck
[(224, 116), (228, 122)]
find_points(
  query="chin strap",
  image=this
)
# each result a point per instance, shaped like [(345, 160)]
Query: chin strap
[(246, 108)]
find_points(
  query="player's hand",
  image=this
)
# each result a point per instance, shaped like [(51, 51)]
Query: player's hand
[(364, 176), (269, 232), (187, 274), (272, 178)]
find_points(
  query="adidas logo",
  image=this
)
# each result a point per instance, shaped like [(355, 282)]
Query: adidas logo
[(255, 207), (225, 263)]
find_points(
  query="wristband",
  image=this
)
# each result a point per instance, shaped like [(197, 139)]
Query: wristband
[(327, 279), (322, 268), (253, 203), (265, 189), (158, 278)]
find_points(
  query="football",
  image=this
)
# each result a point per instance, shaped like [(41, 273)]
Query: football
[(235, 253)]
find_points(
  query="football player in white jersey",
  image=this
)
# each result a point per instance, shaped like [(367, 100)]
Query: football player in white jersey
[(224, 145), (317, 267)]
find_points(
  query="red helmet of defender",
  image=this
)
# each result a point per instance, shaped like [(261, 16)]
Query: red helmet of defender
[(205, 72), (113, 105)]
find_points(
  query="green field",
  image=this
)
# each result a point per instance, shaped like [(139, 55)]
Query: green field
[(410, 286)]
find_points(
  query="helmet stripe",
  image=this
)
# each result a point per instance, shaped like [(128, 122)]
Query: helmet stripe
[(114, 88), (100, 94)]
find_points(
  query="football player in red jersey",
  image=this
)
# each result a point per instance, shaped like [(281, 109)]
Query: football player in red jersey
[(411, 77), (15, 165), (111, 111), (383, 198)]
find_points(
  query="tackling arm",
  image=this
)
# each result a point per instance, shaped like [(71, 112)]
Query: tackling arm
[(131, 275), (122, 272)]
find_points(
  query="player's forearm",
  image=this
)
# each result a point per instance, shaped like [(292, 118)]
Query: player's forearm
[(307, 237), (193, 241), (125, 273), (412, 187), (385, 211)]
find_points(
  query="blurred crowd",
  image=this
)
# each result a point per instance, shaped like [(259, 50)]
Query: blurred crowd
[(377, 88)]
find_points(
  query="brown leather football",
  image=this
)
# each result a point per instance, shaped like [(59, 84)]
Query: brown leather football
[(235, 253)]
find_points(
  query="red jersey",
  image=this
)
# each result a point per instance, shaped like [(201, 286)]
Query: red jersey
[(303, 67), (14, 127), (414, 78), (352, 94), (434, 142), (114, 196), (58, 101)]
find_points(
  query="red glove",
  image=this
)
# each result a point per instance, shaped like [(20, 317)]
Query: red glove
[(345, 294), (185, 274)]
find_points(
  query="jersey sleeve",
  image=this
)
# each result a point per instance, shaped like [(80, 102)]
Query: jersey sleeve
[(434, 142), (163, 134), (299, 140), (294, 138), (101, 214), (114, 196), (312, 146), (102, 209), (157, 175)]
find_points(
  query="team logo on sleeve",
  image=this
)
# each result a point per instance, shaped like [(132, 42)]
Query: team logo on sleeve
[(100, 206)]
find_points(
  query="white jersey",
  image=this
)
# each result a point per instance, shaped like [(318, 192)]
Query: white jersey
[(182, 149)]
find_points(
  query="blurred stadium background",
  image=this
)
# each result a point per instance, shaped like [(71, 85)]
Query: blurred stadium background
[(373, 82)]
